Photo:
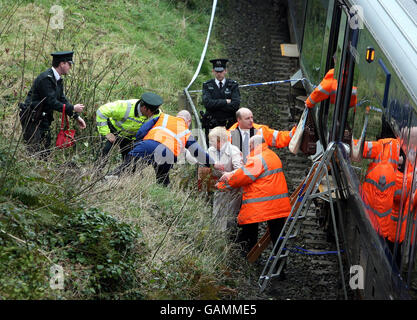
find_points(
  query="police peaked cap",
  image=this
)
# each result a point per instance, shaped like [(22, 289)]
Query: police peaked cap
[(151, 100), (62, 56), (219, 64)]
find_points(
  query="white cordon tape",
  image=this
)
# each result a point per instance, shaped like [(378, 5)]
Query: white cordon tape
[(261, 84), (203, 54)]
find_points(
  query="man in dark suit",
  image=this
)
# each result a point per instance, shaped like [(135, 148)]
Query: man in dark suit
[(221, 98), (45, 96)]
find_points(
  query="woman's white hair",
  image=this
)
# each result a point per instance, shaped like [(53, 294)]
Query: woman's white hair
[(218, 133), (255, 141), (184, 114)]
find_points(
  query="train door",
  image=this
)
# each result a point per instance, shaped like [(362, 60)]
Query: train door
[(316, 39), (336, 62), (323, 41)]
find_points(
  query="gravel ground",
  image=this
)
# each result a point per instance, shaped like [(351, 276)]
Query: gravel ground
[(252, 31)]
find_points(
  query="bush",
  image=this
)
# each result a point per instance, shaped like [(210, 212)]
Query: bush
[(109, 247), (39, 227)]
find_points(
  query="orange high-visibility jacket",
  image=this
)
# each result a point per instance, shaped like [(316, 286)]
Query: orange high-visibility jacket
[(273, 138), (409, 212), (328, 88), (379, 186), (265, 191), (401, 187), (171, 132), (378, 196), (387, 149)]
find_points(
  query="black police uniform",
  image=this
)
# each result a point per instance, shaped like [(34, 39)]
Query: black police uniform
[(218, 111), (36, 113)]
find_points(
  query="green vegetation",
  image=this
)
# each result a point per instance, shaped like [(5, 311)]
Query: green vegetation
[(123, 239)]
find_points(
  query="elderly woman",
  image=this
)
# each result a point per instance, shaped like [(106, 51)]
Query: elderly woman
[(226, 205)]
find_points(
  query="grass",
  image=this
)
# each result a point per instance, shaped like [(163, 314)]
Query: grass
[(124, 239), (140, 45)]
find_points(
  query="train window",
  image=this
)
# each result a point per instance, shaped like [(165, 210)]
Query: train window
[(383, 80), (366, 110), (314, 44), (398, 109), (327, 29)]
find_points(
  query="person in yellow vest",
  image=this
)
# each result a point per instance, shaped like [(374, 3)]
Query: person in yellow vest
[(119, 121), (161, 140)]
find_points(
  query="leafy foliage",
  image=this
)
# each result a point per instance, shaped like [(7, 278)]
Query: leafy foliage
[(100, 252), (98, 240)]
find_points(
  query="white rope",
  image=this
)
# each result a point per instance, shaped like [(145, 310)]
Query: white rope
[(203, 54)]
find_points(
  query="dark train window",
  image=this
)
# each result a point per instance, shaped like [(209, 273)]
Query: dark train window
[(383, 77), (314, 46), (368, 110), (329, 22)]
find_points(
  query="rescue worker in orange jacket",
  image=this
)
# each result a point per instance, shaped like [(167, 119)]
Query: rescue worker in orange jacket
[(265, 193), (161, 140), (400, 211), (398, 199), (378, 189), (405, 199), (328, 89), (245, 128), (405, 202), (410, 211)]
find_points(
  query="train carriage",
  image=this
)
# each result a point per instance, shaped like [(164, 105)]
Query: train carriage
[(372, 47)]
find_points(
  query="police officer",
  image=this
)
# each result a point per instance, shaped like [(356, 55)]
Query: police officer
[(45, 96), (221, 98), (119, 121)]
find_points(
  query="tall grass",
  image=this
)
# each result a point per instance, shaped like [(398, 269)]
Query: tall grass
[(185, 250)]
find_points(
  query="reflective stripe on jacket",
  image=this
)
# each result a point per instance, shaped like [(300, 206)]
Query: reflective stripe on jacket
[(273, 138), (121, 114), (265, 191), (409, 212), (328, 89), (378, 195), (401, 204), (170, 131)]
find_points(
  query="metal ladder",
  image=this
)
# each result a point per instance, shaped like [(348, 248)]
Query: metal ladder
[(308, 192)]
